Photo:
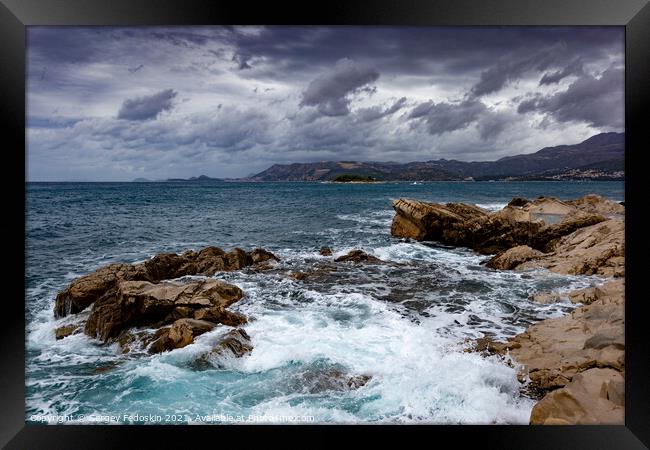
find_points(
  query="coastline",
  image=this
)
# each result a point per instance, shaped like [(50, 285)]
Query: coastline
[(574, 364)]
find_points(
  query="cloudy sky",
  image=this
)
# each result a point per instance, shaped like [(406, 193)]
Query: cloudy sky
[(120, 103)]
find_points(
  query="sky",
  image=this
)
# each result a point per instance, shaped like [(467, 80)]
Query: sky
[(115, 104)]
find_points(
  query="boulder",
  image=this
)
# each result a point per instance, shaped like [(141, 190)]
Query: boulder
[(593, 397), (359, 256), (513, 257), (218, 314), (325, 251), (67, 330), (138, 303), (84, 291), (234, 344), (180, 334)]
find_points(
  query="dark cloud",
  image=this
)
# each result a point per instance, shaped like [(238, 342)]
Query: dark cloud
[(242, 61), (329, 92), (147, 107), (574, 68), (597, 101), (378, 112), (446, 117), (493, 124)]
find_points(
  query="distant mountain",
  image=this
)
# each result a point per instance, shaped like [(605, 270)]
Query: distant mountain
[(142, 180), (199, 178), (600, 157)]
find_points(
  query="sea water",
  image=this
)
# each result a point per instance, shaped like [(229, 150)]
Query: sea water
[(405, 324)]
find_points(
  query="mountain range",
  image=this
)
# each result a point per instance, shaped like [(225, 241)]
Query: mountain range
[(600, 157)]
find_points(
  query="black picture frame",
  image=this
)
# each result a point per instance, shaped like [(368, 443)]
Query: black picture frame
[(15, 15)]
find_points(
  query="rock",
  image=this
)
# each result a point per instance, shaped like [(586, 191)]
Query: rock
[(593, 250), (615, 288), (513, 257), (427, 221), (298, 275), (537, 224), (236, 343), (547, 298), (218, 314), (595, 204), (594, 396), (325, 251), (555, 350), (518, 201), (260, 255), (67, 330), (358, 256), (319, 380), (137, 303), (84, 291), (180, 334)]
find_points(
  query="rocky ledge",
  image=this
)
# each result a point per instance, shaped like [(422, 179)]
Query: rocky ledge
[(150, 306), (582, 236)]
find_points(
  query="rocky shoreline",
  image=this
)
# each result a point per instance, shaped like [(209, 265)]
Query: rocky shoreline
[(575, 364)]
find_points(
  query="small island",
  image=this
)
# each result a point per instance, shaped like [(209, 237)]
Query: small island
[(353, 178)]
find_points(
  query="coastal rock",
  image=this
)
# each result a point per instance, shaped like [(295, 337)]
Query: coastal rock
[(612, 289), (137, 303), (325, 251), (84, 291), (359, 256), (555, 350), (595, 396), (331, 379), (180, 334), (593, 250), (513, 257), (427, 221), (538, 224), (67, 330), (234, 344), (218, 314), (595, 204)]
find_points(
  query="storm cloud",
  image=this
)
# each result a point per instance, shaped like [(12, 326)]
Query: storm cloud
[(147, 107), (330, 91), (596, 100), (117, 103)]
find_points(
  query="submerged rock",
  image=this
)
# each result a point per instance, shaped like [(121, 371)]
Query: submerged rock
[(234, 344), (138, 303), (359, 256), (325, 251), (84, 291)]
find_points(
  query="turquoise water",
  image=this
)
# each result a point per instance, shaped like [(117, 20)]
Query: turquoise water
[(403, 323)]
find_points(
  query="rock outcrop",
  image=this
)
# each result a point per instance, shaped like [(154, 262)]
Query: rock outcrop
[(84, 291), (234, 344), (539, 224), (138, 303)]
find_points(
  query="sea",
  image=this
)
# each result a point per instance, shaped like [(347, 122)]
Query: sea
[(405, 324)]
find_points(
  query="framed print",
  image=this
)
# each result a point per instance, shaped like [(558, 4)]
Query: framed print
[(388, 217)]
